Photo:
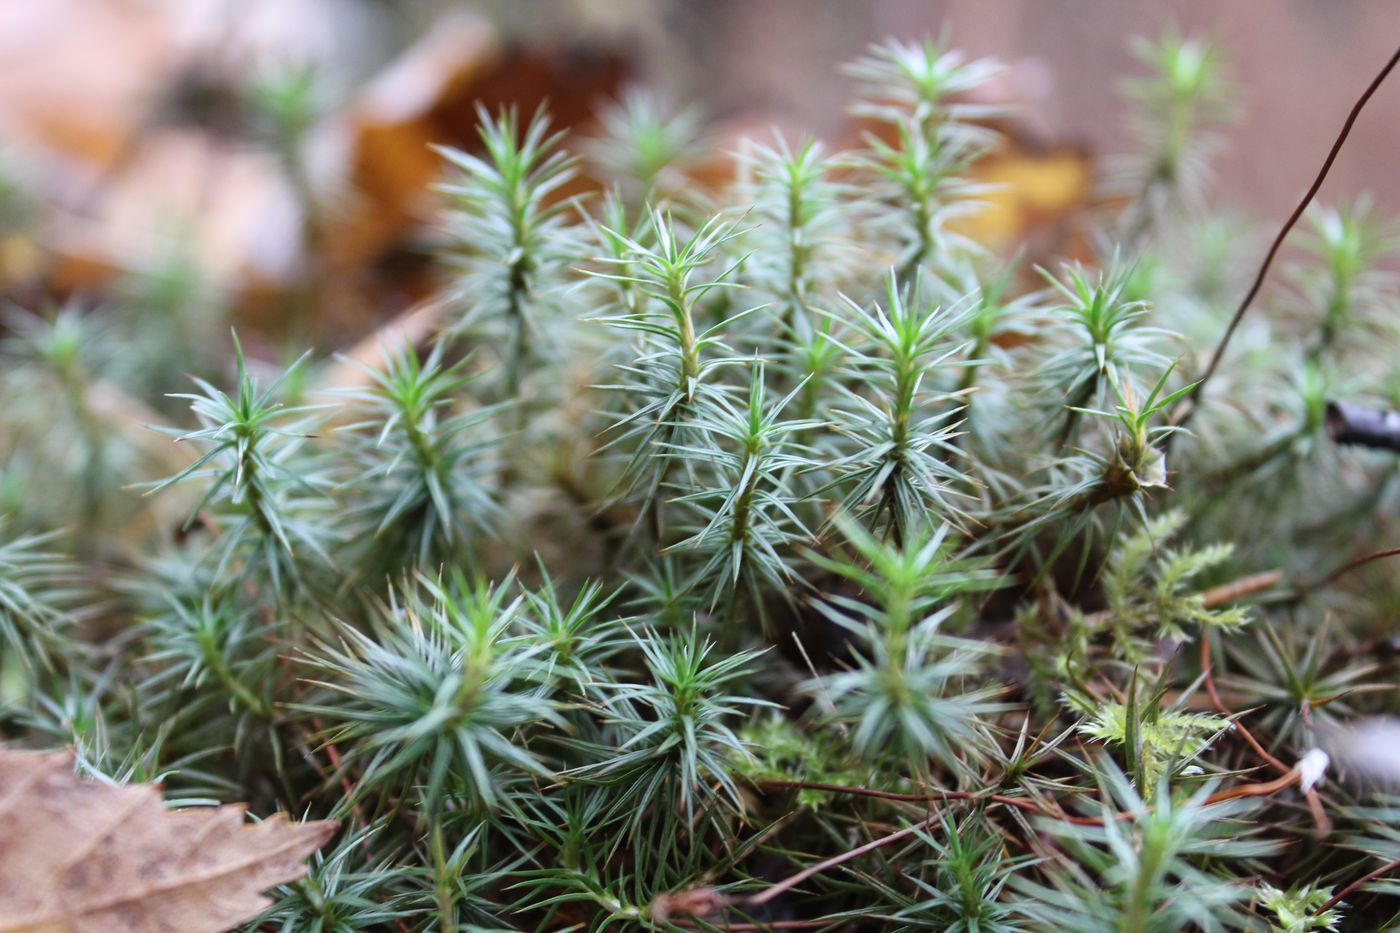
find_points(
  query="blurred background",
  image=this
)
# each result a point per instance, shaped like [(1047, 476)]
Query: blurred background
[(268, 161)]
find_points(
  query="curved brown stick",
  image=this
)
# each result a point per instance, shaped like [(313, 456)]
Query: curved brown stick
[(793, 880), (1245, 790), (1019, 803), (1193, 396), (1227, 593), (760, 927), (1224, 594), (1319, 815), (1369, 876), (1345, 569), (412, 327), (1262, 789), (1224, 710)]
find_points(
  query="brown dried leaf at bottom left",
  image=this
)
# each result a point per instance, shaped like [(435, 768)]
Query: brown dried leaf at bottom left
[(83, 857)]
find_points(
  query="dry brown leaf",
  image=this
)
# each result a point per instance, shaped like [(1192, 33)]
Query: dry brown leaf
[(81, 857), (1029, 189), (411, 328)]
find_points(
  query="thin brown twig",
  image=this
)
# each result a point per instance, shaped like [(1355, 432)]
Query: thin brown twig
[(1190, 402), (774, 890), (1262, 789), (338, 767), (1221, 595), (1343, 570), (1224, 710), (1287, 778), (1029, 806), (1336, 899), (1320, 819), (762, 925), (1234, 591), (412, 327), (1319, 816)]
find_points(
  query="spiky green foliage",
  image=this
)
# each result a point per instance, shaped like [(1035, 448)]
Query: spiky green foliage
[(674, 729), (921, 82), (347, 888), (425, 463), (54, 364), (671, 382), (799, 243), (1300, 911), (761, 552), (1342, 283), (1105, 339), (39, 592), (514, 245), (213, 654), (960, 886), (746, 514), (902, 472), (645, 147), (1153, 737), (433, 703), (1145, 872), (911, 691), (263, 503), (1180, 105)]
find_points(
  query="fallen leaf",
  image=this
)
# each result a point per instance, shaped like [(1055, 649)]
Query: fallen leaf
[(1029, 189), (82, 857), (411, 328)]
